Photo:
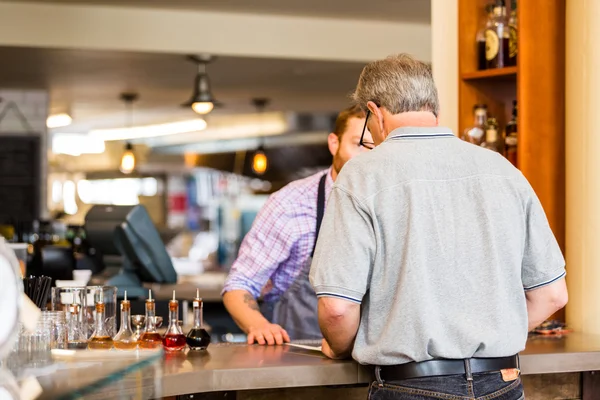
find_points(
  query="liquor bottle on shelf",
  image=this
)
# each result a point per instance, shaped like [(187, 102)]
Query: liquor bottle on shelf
[(492, 139), (512, 33), (150, 339), (174, 339), (480, 37), (100, 339), (197, 338), (125, 338), (511, 138), (476, 133), (497, 38)]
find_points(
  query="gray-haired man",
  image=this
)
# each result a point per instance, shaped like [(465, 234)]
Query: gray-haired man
[(436, 257)]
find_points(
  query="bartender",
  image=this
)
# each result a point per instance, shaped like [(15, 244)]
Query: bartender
[(275, 256)]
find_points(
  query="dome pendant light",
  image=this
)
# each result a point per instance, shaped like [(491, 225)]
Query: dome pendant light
[(202, 100), (260, 162), (128, 158)]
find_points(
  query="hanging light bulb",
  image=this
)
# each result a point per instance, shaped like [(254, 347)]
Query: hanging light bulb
[(260, 163), (127, 160), (203, 107), (202, 100)]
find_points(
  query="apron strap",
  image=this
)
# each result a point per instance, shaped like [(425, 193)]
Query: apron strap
[(320, 209)]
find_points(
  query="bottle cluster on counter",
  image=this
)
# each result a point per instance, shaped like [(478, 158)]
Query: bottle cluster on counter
[(173, 340), (497, 38), (487, 133)]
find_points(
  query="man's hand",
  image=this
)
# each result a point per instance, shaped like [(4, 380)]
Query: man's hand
[(267, 334), (328, 352)]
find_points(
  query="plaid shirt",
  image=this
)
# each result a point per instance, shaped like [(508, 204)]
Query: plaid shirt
[(280, 241)]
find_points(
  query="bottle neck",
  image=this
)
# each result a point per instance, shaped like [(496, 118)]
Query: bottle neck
[(173, 315), (480, 117), (125, 320), (150, 314), (198, 316), (99, 321)]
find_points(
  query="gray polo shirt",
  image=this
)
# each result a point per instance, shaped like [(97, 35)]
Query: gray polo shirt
[(438, 240)]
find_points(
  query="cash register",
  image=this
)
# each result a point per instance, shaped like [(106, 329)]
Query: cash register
[(127, 237)]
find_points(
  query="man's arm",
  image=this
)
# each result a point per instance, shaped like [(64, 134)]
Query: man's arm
[(245, 312), (339, 320), (545, 301), (267, 245)]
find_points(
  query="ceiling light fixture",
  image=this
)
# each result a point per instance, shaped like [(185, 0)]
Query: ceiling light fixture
[(202, 100), (58, 120), (260, 162), (128, 159), (149, 131), (76, 144)]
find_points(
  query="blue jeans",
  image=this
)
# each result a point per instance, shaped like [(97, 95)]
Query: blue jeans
[(488, 386)]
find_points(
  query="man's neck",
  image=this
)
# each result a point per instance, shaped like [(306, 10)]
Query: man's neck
[(413, 118), (334, 173)]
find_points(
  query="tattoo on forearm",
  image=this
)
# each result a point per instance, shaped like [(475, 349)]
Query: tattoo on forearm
[(251, 302)]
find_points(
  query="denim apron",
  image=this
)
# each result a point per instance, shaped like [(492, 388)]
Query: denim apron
[(296, 309)]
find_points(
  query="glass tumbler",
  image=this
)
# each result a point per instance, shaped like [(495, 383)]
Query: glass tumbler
[(59, 328), (67, 300)]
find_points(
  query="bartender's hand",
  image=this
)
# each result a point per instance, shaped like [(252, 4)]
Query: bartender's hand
[(327, 351), (267, 334)]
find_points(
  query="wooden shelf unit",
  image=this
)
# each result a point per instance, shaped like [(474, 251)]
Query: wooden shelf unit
[(538, 85)]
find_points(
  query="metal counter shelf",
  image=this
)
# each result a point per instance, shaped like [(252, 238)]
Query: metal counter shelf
[(241, 367), (98, 374)]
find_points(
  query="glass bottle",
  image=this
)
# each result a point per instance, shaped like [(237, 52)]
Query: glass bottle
[(476, 133), (492, 141), (197, 338), (174, 339), (511, 139), (100, 339), (512, 33), (480, 37), (125, 338), (150, 339), (76, 334), (497, 38)]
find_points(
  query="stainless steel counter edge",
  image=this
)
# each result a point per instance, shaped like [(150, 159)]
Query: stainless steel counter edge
[(254, 367)]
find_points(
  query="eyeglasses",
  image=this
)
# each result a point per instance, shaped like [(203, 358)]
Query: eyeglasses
[(366, 145)]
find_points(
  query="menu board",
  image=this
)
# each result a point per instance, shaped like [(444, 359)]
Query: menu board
[(19, 178)]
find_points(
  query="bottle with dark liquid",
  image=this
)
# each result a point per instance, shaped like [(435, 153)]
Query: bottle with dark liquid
[(197, 338), (512, 31), (480, 38), (150, 339), (497, 38), (174, 339), (511, 139), (100, 339), (125, 338)]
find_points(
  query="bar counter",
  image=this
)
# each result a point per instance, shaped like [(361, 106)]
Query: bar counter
[(236, 367)]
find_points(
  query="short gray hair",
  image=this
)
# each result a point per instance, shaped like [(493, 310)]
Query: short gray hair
[(400, 83)]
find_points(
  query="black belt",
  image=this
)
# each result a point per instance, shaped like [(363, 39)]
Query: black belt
[(445, 367)]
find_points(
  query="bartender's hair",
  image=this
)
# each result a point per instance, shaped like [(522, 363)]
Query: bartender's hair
[(400, 83), (341, 122)]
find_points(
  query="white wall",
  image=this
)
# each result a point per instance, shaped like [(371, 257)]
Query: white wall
[(444, 58)]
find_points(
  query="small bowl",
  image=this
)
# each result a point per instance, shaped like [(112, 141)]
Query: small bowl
[(138, 321)]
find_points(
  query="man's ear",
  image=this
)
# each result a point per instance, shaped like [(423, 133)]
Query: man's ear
[(334, 143)]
